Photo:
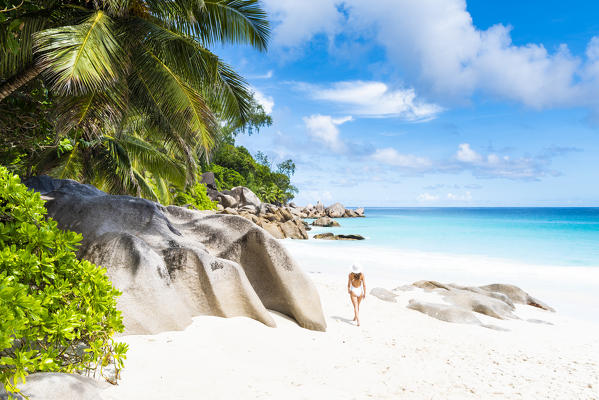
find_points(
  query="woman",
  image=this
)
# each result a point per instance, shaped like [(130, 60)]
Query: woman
[(356, 287)]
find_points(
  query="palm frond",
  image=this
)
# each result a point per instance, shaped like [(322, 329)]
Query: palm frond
[(216, 21), (159, 90), (147, 157), (92, 112), (226, 91), (84, 58), (233, 21)]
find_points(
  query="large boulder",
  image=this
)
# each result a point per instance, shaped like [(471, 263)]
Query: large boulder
[(227, 201), (325, 221), (173, 263), (335, 211), (209, 180), (294, 229), (384, 294), (444, 312), (286, 214), (246, 196), (496, 300), (517, 295), (54, 385), (273, 228)]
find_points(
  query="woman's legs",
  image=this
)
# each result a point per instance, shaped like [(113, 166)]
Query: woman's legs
[(355, 303)]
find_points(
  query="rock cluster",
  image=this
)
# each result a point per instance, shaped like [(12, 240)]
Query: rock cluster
[(496, 300), (280, 221), (325, 222), (172, 263), (333, 211)]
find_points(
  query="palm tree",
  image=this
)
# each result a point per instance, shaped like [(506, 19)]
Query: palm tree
[(110, 62)]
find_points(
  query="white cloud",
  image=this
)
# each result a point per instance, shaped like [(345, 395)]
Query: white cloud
[(442, 52), (427, 198), (466, 154), (375, 99), (296, 22), (267, 102), (324, 129), (459, 197), (391, 157)]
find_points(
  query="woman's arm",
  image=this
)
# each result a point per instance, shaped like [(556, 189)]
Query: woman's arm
[(348, 283), (363, 287)]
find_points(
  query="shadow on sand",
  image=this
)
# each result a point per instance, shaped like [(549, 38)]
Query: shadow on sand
[(346, 320)]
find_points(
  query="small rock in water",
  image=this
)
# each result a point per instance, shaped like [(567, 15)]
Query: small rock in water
[(330, 236)]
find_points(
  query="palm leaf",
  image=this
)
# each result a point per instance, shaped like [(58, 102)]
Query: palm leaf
[(159, 90), (216, 21), (227, 92), (233, 21), (82, 58), (147, 157)]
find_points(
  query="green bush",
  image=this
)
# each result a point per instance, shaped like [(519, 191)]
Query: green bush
[(226, 178), (58, 313), (197, 196)]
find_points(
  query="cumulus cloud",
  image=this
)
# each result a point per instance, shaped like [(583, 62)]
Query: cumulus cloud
[(323, 128), (267, 102), (466, 154), (427, 198), (392, 157), (442, 52), (374, 99), (298, 21)]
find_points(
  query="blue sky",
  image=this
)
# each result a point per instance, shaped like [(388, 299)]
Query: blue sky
[(431, 102)]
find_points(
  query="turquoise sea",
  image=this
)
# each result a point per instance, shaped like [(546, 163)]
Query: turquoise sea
[(541, 235)]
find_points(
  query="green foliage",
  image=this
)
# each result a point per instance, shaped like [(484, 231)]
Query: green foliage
[(196, 196), (271, 194), (287, 168), (235, 166), (113, 61), (58, 313), (226, 178)]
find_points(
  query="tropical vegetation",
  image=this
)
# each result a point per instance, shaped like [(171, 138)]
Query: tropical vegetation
[(125, 95), (58, 313), (134, 88)]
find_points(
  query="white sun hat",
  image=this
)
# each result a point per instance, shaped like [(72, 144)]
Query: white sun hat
[(356, 268)]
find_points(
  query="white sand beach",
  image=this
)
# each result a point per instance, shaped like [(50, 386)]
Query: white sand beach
[(396, 353)]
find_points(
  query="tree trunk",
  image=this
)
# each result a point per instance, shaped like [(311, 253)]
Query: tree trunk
[(18, 80)]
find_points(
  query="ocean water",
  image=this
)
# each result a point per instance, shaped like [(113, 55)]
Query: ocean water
[(542, 236)]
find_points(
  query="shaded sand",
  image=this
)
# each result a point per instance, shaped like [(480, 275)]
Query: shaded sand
[(396, 353)]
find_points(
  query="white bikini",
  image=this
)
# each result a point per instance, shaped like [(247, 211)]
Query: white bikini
[(357, 291)]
